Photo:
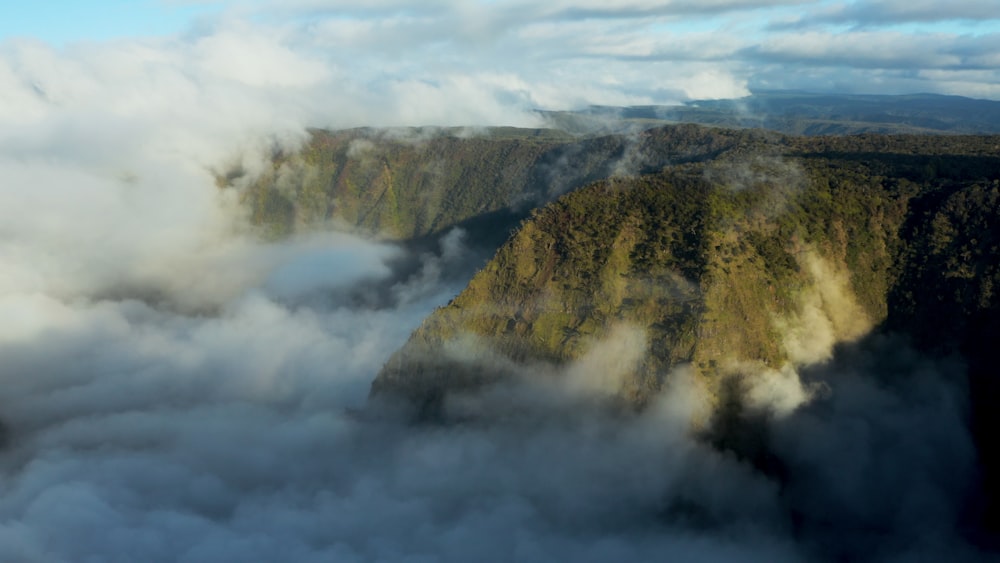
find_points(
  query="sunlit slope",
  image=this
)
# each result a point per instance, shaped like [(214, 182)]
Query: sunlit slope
[(407, 183), (758, 262)]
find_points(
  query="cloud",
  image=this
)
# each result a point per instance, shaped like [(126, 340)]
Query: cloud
[(452, 63), (876, 49), (322, 266), (247, 55), (645, 9), (455, 63), (610, 361), (148, 433), (548, 48), (828, 313), (143, 433), (876, 433), (867, 13), (877, 61)]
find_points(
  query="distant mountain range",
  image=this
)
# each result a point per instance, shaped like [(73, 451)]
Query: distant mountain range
[(799, 113)]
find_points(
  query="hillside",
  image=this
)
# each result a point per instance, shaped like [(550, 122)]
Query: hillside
[(744, 269), (417, 183), (410, 183), (707, 256), (743, 257)]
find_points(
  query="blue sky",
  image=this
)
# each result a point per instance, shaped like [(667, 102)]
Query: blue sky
[(66, 21), (403, 61)]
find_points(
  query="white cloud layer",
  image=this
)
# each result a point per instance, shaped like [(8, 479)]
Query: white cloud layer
[(459, 62)]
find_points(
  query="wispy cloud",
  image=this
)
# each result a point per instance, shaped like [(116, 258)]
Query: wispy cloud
[(657, 52), (875, 13)]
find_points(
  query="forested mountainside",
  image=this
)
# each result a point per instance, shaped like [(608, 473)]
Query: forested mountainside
[(409, 183), (684, 230), (741, 257), (761, 262), (405, 184), (717, 260)]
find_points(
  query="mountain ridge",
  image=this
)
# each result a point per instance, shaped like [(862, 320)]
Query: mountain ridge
[(744, 257), (800, 113), (744, 269)]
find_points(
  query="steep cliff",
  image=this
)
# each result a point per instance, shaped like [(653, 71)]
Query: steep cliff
[(408, 183), (712, 272), (745, 270), (759, 261)]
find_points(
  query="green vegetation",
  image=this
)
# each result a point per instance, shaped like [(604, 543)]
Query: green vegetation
[(410, 183), (396, 185), (720, 259), (734, 252)]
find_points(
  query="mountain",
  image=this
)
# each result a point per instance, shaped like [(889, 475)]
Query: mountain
[(745, 258), (744, 269), (801, 113), (710, 257), (414, 185), (682, 231)]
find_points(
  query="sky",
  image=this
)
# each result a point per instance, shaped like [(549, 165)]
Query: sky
[(423, 62)]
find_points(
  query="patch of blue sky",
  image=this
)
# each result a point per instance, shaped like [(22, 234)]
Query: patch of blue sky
[(61, 22)]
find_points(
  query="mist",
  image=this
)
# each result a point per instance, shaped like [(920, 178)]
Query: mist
[(140, 433), (176, 387)]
